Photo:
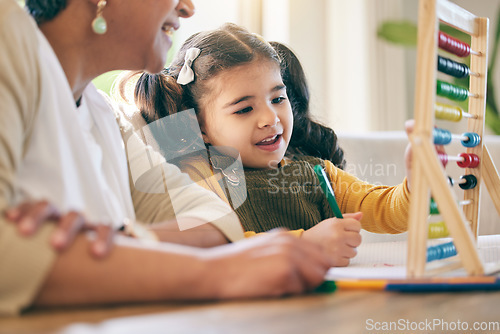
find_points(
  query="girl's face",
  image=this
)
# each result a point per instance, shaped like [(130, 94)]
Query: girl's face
[(142, 30), (248, 109)]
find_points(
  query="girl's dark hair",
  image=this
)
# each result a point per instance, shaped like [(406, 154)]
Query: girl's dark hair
[(159, 95), (44, 10), (308, 137)]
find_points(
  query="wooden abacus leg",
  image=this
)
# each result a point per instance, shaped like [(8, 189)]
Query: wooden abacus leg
[(417, 225), (455, 219)]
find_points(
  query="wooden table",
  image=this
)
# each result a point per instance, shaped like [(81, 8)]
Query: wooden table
[(346, 311)]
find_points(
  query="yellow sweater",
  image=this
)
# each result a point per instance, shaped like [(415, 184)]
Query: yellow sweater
[(385, 209)]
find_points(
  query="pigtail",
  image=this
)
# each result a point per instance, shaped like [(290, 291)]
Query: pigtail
[(308, 137), (314, 139), (158, 95)]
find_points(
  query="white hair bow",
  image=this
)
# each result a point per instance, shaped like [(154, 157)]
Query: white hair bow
[(186, 75)]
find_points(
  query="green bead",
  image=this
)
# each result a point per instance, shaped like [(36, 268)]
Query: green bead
[(451, 92), (99, 25), (433, 208)]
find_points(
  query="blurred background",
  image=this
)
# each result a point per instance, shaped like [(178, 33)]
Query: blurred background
[(359, 81)]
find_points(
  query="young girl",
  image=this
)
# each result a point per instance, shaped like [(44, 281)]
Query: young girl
[(233, 80)]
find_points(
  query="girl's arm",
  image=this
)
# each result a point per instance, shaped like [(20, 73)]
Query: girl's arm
[(385, 209)]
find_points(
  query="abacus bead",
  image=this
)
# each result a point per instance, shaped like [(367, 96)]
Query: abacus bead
[(475, 160), (466, 162), (432, 254), (472, 141), (441, 251), (449, 250), (451, 181), (441, 136), (471, 182), (447, 112), (452, 68), (451, 92), (471, 160), (433, 208), (444, 158), (453, 45), (438, 230)]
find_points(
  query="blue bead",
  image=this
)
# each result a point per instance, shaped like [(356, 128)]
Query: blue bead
[(441, 251), (473, 140), (441, 136)]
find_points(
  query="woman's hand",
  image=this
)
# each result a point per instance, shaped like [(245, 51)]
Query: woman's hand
[(273, 264), (29, 216), (337, 237)]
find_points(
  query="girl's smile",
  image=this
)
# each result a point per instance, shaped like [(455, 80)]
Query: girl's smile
[(248, 109), (271, 143)]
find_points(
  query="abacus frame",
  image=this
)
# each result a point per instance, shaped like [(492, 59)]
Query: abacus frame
[(428, 175)]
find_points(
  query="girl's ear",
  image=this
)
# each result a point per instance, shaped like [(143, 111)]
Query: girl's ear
[(206, 140)]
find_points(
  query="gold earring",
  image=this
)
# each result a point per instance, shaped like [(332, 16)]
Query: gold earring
[(99, 24)]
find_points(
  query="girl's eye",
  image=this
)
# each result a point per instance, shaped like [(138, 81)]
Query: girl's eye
[(244, 111), (278, 100)]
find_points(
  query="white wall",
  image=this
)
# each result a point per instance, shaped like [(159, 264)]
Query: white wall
[(348, 96), (208, 15)]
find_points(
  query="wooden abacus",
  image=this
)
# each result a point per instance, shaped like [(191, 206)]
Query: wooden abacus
[(428, 174)]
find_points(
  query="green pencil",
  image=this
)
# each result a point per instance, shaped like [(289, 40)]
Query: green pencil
[(327, 189)]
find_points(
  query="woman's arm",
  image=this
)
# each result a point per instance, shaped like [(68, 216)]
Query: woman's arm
[(200, 235), (271, 265), (165, 196), (23, 261)]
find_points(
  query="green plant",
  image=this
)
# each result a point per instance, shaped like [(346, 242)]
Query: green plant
[(405, 33)]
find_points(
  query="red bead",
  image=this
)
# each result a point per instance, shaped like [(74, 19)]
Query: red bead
[(471, 160), (444, 158), (453, 45), (475, 161)]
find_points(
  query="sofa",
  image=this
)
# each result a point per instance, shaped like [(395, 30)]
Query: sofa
[(378, 157)]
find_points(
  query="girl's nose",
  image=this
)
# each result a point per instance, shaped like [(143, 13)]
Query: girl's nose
[(268, 117), (185, 8)]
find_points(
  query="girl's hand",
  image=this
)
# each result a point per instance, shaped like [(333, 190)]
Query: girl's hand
[(409, 124), (337, 237), (29, 216)]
